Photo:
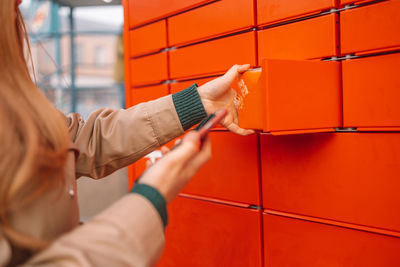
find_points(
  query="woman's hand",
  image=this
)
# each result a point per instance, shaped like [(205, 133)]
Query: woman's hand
[(218, 94), (172, 172)]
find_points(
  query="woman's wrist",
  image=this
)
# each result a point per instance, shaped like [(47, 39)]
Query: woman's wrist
[(189, 107)]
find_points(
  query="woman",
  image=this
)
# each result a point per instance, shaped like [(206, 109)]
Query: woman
[(43, 152)]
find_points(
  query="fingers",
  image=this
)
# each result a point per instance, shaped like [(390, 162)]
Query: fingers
[(232, 73), (243, 68), (187, 148), (237, 130), (164, 150), (202, 157)]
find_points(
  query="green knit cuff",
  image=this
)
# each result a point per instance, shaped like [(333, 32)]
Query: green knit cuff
[(155, 198), (189, 107)]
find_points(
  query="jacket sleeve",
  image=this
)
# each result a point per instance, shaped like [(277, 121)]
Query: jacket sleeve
[(112, 139), (116, 237)]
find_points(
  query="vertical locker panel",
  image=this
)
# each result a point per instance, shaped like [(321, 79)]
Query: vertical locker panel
[(213, 57), (144, 11), (369, 28), (203, 233), (347, 177), (207, 21), (145, 94), (371, 92), (149, 69), (269, 11), (232, 172), (291, 242), (308, 39), (149, 38)]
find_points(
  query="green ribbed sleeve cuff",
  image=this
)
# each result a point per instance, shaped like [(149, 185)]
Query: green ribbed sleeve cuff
[(189, 107), (155, 198)]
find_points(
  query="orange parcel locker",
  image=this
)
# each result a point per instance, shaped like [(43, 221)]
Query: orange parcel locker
[(308, 39), (371, 93), (202, 233), (179, 86), (149, 38), (369, 28), (240, 181), (149, 69), (145, 94), (346, 177), (293, 242), (213, 57), (207, 21), (289, 96), (141, 12), (269, 11)]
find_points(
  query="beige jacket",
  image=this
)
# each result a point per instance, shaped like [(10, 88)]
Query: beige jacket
[(130, 232)]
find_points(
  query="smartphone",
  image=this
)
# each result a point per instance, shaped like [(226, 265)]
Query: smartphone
[(208, 123)]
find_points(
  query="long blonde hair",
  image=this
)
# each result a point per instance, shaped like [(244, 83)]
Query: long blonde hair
[(33, 135)]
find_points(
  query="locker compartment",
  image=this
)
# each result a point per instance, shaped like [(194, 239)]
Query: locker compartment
[(213, 57), (141, 12), (346, 177), (292, 242), (232, 172), (145, 94), (289, 96), (373, 27), (371, 93), (149, 69), (149, 38), (179, 86), (208, 22), (202, 234), (269, 11), (308, 39)]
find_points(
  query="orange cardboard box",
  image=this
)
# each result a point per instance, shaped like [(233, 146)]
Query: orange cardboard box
[(213, 57), (145, 94), (371, 93), (208, 22), (269, 11), (202, 233), (292, 242), (288, 96), (345, 177), (141, 12), (232, 172), (149, 38), (370, 28), (149, 69), (308, 39)]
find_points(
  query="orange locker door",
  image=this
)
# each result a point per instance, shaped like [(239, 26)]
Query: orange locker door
[(203, 233), (141, 12), (145, 94), (213, 57), (269, 11), (179, 86), (373, 27), (149, 69), (207, 21), (149, 38), (232, 172), (346, 177), (291, 242), (289, 96), (371, 93), (308, 39)]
